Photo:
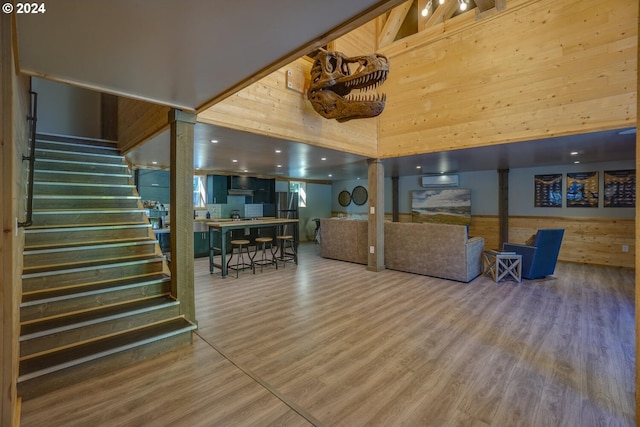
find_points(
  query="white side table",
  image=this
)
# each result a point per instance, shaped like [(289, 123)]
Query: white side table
[(502, 264)]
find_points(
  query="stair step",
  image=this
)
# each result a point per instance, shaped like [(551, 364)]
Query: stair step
[(40, 238), (78, 156), (53, 302), (84, 202), (88, 217), (41, 188), (40, 375), (77, 147), (82, 140), (75, 256), (41, 281), (43, 335), (81, 177), (78, 166)]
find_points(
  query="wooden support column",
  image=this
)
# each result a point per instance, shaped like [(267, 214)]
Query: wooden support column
[(395, 199), (503, 206), (182, 281), (376, 215)]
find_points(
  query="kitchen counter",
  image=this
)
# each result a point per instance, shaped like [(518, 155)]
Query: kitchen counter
[(223, 226)]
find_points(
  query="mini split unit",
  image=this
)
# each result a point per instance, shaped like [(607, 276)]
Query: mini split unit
[(440, 181)]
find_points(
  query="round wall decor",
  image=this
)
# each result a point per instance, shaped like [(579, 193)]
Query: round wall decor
[(359, 195), (344, 198)]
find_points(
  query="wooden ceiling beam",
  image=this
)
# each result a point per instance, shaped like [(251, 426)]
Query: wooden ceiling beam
[(393, 24), (484, 5), (442, 12)]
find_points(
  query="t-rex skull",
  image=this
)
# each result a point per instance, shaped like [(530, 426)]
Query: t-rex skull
[(334, 76)]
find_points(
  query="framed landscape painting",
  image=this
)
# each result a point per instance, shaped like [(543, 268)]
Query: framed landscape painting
[(446, 206)]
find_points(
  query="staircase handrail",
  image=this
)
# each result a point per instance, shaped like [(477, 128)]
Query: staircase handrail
[(32, 118)]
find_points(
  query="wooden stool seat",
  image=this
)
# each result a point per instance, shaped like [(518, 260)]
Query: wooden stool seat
[(264, 239), (239, 242)]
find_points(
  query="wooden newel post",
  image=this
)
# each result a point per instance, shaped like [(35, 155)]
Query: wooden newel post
[(182, 276)]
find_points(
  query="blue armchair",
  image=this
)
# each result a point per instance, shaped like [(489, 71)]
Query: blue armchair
[(539, 259)]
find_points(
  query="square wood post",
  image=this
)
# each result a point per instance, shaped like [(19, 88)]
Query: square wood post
[(182, 280), (376, 216)]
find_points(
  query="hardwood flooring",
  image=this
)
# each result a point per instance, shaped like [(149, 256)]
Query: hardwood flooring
[(330, 343)]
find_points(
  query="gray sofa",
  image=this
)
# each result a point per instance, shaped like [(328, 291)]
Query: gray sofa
[(440, 250)]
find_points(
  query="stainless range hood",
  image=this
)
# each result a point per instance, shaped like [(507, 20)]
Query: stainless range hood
[(239, 192)]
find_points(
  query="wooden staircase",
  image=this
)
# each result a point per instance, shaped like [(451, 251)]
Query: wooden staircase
[(96, 288)]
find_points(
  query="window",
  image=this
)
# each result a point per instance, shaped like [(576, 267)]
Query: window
[(300, 188), (199, 192)]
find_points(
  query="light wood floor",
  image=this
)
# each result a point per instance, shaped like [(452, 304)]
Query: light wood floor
[(329, 343)]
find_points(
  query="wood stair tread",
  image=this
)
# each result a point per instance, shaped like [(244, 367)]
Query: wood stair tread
[(43, 295), (87, 226), (32, 329), (74, 265), (79, 244), (55, 247), (95, 349)]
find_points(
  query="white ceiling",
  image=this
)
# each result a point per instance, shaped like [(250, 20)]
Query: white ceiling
[(181, 53)]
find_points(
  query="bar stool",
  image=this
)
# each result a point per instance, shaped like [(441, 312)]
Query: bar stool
[(238, 244), (285, 256), (264, 260)]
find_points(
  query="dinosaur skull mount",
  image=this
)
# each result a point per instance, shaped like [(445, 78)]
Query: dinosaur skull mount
[(334, 76)]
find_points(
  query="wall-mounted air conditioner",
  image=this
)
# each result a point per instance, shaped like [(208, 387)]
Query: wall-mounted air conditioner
[(440, 181)]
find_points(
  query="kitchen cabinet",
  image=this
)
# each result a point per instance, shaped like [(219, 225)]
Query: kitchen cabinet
[(217, 189), (264, 190), (200, 244)]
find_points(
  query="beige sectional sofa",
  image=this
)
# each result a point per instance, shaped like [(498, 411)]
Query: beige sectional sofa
[(344, 239), (440, 250)]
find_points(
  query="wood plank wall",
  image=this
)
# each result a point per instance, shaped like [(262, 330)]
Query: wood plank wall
[(586, 240), (139, 121), (537, 69), (270, 108), (14, 132)]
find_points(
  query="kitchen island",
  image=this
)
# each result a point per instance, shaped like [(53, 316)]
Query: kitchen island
[(224, 226)]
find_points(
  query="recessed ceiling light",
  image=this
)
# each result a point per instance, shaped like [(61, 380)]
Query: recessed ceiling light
[(234, 161), (577, 161), (279, 166), (214, 141), (324, 158), (574, 153), (418, 167), (330, 175), (246, 170), (155, 163), (278, 151), (358, 177)]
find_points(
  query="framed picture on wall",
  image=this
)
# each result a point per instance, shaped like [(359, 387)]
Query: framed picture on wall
[(548, 190), (582, 190), (620, 189)]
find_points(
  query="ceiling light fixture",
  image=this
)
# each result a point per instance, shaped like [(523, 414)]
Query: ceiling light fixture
[(463, 5), (214, 141), (441, 1), (234, 161), (574, 153), (330, 175), (418, 167), (324, 158), (577, 161), (278, 151), (279, 166), (427, 9), (155, 163)]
